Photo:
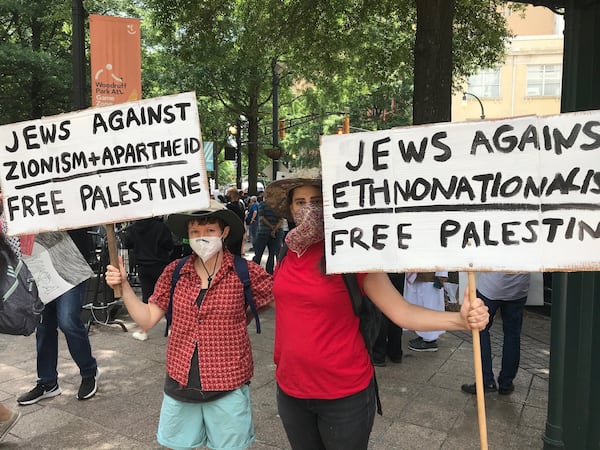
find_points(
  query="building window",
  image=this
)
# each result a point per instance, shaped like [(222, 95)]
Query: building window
[(485, 83), (544, 80)]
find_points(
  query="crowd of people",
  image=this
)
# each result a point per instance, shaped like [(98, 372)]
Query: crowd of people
[(326, 389)]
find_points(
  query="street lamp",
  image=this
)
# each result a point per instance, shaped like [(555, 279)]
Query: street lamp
[(277, 70), (464, 99)]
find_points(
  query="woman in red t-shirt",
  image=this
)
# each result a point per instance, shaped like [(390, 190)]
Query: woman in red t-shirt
[(325, 388)]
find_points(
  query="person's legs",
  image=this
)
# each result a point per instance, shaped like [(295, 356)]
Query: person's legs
[(148, 276), (68, 313), (181, 425), (274, 246), (259, 246), (346, 423), (46, 338), (228, 420), (429, 297), (485, 342), (253, 231), (299, 422), (512, 322), (394, 341), (341, 424), (8, 419)]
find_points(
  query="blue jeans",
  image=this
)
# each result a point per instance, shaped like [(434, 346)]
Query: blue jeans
[(340, 424), (264, 239), (512, 322), (253, 228), (63, 313)]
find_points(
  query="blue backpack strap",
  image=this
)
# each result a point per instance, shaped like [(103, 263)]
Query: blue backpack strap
[(241, 268), (174, 279)]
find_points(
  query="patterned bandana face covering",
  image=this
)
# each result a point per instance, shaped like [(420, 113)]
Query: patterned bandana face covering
[(310, 228)]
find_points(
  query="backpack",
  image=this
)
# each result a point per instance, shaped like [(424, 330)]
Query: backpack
[(241, 268), (20, 305), (369, 316)]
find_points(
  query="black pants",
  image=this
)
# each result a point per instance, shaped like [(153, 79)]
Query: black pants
[(148, 276), (340, 424), (389, 342)]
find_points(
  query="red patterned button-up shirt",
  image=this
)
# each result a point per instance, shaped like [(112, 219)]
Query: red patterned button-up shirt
[(218, 327)]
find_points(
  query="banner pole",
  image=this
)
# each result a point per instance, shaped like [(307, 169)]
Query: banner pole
[(478, 372), (113, 255)]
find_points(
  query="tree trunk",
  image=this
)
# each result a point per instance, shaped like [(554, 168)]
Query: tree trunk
[(432, 94)]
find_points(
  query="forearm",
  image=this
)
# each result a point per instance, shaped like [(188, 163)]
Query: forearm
[(416, 317), (391, 303), (137, 309)]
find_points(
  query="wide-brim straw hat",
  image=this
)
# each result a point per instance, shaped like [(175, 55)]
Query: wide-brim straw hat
[(178, 222), (277, 193)]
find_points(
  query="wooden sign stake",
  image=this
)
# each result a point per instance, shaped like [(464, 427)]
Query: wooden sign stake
[(478, 372)]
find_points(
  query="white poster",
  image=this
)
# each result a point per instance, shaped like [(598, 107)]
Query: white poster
[(103, 165), (56, 264), (505, 195)]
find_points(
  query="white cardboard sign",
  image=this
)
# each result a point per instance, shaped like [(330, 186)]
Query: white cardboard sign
[(103, 165), (505, 195)]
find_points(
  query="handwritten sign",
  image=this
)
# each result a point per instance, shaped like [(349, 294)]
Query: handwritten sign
[(103, 165), (508, 195)]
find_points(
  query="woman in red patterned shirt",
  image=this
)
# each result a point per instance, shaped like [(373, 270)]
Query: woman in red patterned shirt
[(325, 388), (209, 359)]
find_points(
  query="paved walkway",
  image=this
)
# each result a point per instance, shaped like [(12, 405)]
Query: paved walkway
[(423, 407)]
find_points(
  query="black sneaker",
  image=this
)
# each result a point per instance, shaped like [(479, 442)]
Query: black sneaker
[(421, 345), (379, 362), (470, 388), (506, 390), (39, 392), (89, 386)]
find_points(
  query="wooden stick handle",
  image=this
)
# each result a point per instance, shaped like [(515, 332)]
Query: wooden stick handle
[(478, 372), (113, 255)]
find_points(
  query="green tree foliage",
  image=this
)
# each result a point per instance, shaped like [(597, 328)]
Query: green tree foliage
[(352, 57), (35, 60)]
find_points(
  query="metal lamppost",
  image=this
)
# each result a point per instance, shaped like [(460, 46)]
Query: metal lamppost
[(464, 99), (78, 55), (276, 70)]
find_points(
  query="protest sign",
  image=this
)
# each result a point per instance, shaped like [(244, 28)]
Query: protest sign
[(56, 265), (103, 165), (505, 195)]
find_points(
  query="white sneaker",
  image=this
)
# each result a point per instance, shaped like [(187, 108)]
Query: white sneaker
[(140, 335)]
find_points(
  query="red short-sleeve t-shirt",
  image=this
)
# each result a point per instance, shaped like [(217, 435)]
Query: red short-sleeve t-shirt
[(319, 351)]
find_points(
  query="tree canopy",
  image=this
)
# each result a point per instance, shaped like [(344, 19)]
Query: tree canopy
[(336, 57)]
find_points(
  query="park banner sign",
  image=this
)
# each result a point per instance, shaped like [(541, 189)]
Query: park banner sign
[(518, 194), (103, 165), (115, 60)]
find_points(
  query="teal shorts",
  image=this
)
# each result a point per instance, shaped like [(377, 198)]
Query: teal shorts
[(224, 423)]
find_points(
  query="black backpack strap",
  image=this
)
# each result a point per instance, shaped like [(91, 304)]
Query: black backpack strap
[(351, 282), (241, 268), (174, 279), (282, 252)]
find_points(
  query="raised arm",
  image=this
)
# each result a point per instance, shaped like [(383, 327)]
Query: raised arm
[(146, 315), (380, 290)]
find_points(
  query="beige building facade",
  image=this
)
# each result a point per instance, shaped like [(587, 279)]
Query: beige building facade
[(528, 82)]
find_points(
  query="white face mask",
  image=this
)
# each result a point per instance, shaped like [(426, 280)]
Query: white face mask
[(206, 247)]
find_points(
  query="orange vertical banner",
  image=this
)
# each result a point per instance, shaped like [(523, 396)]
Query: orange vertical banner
[(115, 59)]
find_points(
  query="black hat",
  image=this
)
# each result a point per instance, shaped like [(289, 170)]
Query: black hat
[(178, 222)]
